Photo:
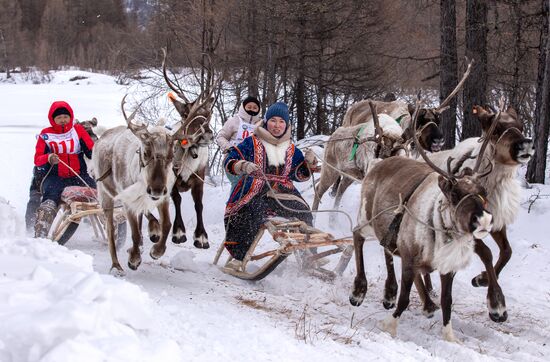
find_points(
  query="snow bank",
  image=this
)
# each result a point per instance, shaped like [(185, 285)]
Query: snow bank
[(54, 307)]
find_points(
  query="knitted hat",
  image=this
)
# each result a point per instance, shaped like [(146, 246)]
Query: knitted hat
[(251, 99), (59, 111), (278, 109)]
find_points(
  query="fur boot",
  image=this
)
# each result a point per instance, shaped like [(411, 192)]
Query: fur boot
[(45, 214)]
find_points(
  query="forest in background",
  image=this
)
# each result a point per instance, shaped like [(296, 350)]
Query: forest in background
[(318, 56)]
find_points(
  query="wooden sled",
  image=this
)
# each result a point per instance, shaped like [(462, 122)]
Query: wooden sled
[(77, 203), (294, 237)]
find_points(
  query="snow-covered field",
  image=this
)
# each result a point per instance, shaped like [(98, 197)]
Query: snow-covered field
[(60, 304)]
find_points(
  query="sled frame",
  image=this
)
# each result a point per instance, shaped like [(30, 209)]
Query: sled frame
[(298, 238)]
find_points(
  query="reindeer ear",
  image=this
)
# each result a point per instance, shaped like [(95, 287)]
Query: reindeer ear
[(484, 117), (445, 185), (94, 122), (181, 107), (512, 113)]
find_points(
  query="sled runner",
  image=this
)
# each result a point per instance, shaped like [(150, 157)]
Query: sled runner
[(79, 202), (293, 237)]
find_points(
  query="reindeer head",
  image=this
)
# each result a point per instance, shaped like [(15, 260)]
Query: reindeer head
[(155, 156), (427, 129), (464, 192), (194, 128), (509, 144), (89, 127)]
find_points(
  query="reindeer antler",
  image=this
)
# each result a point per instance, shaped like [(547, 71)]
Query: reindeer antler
[(378, 131), (457, 88), (421, 150), (487, 137), (132, 126), (170, 83)]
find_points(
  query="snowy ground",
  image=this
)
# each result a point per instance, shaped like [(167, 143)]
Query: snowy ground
[(59, 303)]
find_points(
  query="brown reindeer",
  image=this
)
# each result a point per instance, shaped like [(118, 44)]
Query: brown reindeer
[(134, 166), (443, 214), (353, 150), (190, 160)]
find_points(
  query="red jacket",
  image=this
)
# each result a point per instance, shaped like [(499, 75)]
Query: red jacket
[(68, 142)]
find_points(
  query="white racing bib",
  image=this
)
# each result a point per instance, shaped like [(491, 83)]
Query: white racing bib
[(244, 130), (62, 143)]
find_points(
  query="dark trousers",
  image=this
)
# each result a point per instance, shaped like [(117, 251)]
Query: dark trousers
[(242, 228), (53, 185)]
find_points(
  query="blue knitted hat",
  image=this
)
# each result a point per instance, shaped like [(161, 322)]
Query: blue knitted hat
[(279, 109)]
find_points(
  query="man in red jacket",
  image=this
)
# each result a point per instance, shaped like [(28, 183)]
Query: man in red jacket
[(60, 149)]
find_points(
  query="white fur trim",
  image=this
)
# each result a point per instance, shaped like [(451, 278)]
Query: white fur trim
[(276, 154)]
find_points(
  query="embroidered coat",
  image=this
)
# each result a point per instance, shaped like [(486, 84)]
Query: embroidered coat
[(280, 178)]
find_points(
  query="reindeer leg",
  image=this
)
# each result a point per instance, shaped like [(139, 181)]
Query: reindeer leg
[(159, 248), (154, 227), (107, 206), (495, 298), (390, 287), (446, 303), (428, 284), (178, 230), (200, 236), (505, 253), (344, 184), (429, 306), (407, 278), (360, 283), (328, 177), (134, 253), (335, 186)]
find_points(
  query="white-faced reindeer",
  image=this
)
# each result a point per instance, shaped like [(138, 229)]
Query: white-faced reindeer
[(193, 136), (508, 149), (443, 214), (352, 150), (134, 166)]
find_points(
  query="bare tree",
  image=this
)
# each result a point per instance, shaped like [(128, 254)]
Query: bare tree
[(536, 170), (448, 69), (476, 48)]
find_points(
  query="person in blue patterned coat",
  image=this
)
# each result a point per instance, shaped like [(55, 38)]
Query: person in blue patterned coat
[(268, 156)]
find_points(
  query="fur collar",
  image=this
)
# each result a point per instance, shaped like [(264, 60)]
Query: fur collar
[(275, 148)]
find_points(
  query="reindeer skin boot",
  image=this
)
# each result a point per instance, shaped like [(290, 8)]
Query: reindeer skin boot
[(45, 214)]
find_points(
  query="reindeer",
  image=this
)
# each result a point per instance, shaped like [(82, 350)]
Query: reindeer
[(444, 213), (427, 131), (508, 149), (190, 160), (352, 150), (134, 165)]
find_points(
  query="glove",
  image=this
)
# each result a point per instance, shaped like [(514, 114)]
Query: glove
[(245, 167), (53, 159), (310, 158)]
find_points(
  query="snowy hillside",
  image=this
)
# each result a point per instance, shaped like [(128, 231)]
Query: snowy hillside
[(60, 304)]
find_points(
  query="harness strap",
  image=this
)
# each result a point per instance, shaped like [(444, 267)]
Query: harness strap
[(105, 174), (356, 143), (389, 240)]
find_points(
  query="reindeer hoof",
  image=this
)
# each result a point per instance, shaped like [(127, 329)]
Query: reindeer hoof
[(179, 239), (201, 242), (498, 317), (388, 303), (155, 253), (356, 301), (429, 310), (117, 271), (134, 264), (480, 281)]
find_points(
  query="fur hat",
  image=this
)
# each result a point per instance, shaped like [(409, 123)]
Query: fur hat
[(278, 109)]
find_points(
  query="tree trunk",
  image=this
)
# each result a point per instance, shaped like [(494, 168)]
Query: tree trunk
[(448, 69), (537, 167), (476, 48)]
